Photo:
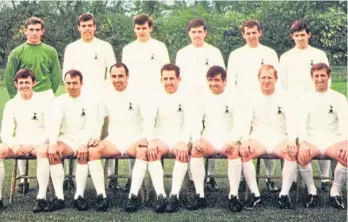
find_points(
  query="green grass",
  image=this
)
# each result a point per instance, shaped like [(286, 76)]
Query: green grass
[(217, 210)]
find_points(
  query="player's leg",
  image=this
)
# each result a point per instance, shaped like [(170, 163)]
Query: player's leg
[(5, 152)]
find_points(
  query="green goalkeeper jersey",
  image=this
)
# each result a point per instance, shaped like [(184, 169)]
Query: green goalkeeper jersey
[(42, 59)]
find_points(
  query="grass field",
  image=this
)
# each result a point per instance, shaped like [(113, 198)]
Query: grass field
[(217, 210)]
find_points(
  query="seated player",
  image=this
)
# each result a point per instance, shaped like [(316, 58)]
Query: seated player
[(269, 128), (24, 132), (74, 124), (324, 132), (218, 109)]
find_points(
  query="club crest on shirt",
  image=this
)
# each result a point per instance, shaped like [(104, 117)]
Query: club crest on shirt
[(279, 110), (226, 109), (130, 108), (152, 56), (34, 116), (179, 108), (331, 109), (83, 113), (262, 61), (95, 56)]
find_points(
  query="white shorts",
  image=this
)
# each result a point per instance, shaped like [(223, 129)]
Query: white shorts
[(268, 141), (217, 142), (69, 142), (323, 142), (122, 145), (36, 142)]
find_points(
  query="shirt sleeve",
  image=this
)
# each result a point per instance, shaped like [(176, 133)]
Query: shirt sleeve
[(291, 119), (243, 121), (231, 72), (10, 72), (55, 72), (8, 126), (53, 120), (148, 114), (302, 118), (92, 128), (68, 60), (196, 116), (165, 56), (220, 59), (283, 74), (343, 118), (186, 132), (110, 60)]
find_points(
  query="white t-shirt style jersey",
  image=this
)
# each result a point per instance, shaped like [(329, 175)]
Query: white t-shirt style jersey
[(74, 119), (323, 115), (194, 64), (244, 64), (172, 118), (220, 115), (25, 121), (144, 61), (269, 117), (295, 69), (128, 121), (92, 59)]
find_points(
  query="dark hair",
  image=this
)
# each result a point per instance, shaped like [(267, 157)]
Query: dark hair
[(195, 23), (321, 66), (24, 73), (268, 67), (171, 67), (86, 17), (120, 65), (298, 26), (142, 19), (33, 21), (216, 70), (74, 73), (250, 24)]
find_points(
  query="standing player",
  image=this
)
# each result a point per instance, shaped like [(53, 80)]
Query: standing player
[(194, 60), (43, 60), (219, 111), (24, 132), (243, 66), (269, 128), (324, 132), (91, 56), (74, 124), (295, 65), (144, 57)]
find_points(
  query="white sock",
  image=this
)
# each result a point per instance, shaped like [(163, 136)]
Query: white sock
[(211, 167), (21, 168), (138, 174), (269, 166), (339, 178), (111, 167), (57, 176), (234, 174), (179, 172), (307, 175), (131, 163), (97, 175), (156, 173), (324, 166), (43, 176), (288, 173), (250, 177), (2, 176), (198, 174), (81, 179)]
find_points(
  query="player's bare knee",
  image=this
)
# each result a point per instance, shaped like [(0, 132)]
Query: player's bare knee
[(93, 154)]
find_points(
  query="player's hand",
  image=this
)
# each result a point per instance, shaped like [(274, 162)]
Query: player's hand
[(52, 153), (231, 147), (82, 154), (197, 148), (152, 152), (181, 152), (342, 153), (245, 149), (305, 152), (93, 143), (143, 143), (25, 149), (292, 149)]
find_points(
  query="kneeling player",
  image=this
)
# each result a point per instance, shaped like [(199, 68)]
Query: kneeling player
[(24, 132), (218, 110), (324, 132), (74, 125), (269, 129)]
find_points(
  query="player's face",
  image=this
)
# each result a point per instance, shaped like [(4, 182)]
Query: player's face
[(25, 86), (301, 39), (197, 35), (252, 36), (143, 32), (216, 84), (119, 78), (73, 85), (267, 81), (34, 33), (87, 30), (169, 81), (321, 80)]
